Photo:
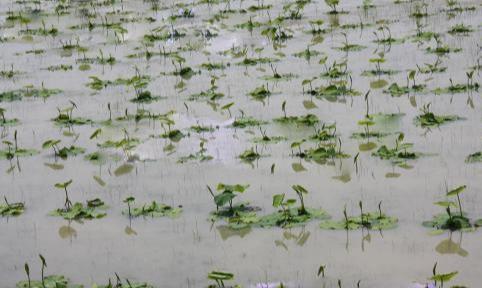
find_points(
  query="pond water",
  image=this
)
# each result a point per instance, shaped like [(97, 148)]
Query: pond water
[(170, 85)]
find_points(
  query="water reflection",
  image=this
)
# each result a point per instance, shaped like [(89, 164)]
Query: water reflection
[(226, 232), (67, 232), (129, 231), (448, 246), (299, 239)]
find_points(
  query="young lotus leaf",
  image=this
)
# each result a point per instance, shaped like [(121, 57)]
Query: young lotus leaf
[(456, 191), (79, 212), (238, 217), (322, 154), (444, 221), (249, 155), (429, 119), (333, 91), (218, 275), (125, 285), (474, 157), (306, 120), (65, 152), (444, 277), (155, 210), (371, 220), (244, 122), (291, 217), (51, 281), (198, 156), (173, 135), (399, 154), (20, 152), (11, 209), (260, 93)]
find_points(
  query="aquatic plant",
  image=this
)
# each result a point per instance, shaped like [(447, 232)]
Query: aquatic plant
[(277, 33), (13, 149), (200, 155), (27, 91), (237, 216), (123, 284), (65, 117), (226, 195), (320, 153), (307, 54), (144, 97), (154, 209), (173, 135), (336, 70), (260, 93), (432, 68), (440, 278), (332, 4), (246, 121), (333, 91), (5, 121), (127, 143), (460, 88), (250, 155), (378, 71), (395, 90), (50, 281), (11, 209), (128, 201), (265, 139), (441, 48), (304, 120), (460, 29), (449, 220), (9, 73), (348, 47), (398, 154), (368, 220), (325, 133), (289, 215), (429, 119), (93, 209), (474, 157), (219, 277), (78, 211)]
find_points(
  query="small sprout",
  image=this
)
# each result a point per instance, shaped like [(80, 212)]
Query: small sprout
[(227, 107), (95, 134), (68, 203), (129, 200), (321, 270), (355, 161), (283, 108), (367, 114), (27, 271), (110, 111), (44, 265)]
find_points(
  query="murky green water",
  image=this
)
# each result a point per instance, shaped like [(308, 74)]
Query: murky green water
[(181, 251)]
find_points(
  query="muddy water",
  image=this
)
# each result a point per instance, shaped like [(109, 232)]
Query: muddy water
[(180, 252)]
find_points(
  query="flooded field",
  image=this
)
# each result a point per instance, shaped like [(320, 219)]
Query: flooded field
[(263, 144)]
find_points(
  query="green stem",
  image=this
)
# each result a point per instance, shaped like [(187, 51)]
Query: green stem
[(460, 205)]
